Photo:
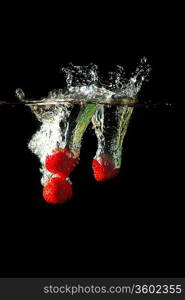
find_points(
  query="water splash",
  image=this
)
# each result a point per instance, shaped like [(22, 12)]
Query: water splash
[(82, 83), (85, 83), (58, 141), (80, 75), (129, 87)]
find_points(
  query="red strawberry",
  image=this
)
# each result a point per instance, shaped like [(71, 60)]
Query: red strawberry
[(57, 191), (104, 169), (61, 162)]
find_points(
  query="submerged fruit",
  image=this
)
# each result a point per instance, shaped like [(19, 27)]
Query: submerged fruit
[(104, 169), (57, 190), (61, 162)]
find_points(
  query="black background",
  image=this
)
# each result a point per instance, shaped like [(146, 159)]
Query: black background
[(132, 225)]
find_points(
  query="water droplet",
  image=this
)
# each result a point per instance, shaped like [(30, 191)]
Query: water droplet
[(20, 94)]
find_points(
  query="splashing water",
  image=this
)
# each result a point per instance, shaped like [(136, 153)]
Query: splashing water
[(66, 113), (129, 87), (85, 83), (51, 134)]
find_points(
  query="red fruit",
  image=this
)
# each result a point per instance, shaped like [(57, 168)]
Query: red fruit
[(104, 169), (57, 190), (61, 162)]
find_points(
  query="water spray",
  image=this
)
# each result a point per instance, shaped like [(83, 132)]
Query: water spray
[(64, 116)]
